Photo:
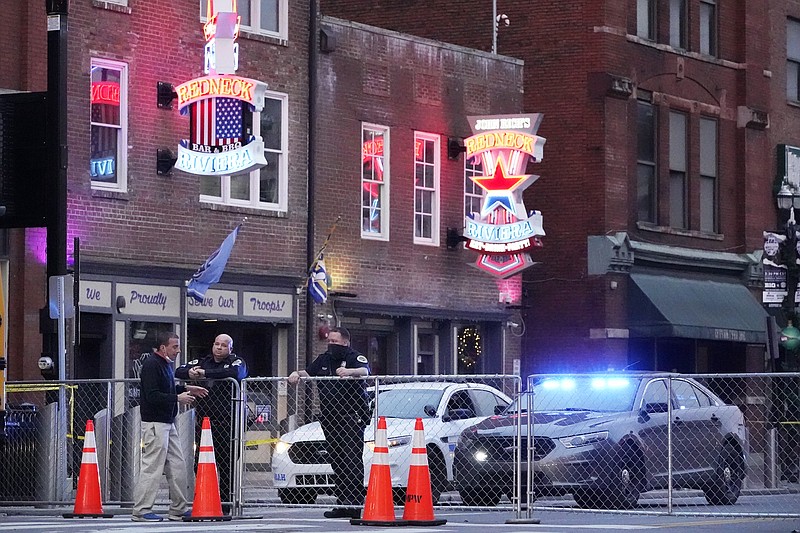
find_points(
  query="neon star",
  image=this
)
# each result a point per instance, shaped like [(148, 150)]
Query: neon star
[(499, 189)]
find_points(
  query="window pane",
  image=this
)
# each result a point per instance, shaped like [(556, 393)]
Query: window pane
[(472, 192), (677, 23), (645, 19), (646, 194), (792, 72), (103, 158), (268, 179), (240, 187), (708, 202), (677, 141), (793, 39), (708, 147), (105, 95), (646, 132), (210, 186), (272, 123), (677, 200), (708, 32), (243, 8), (269, 15)]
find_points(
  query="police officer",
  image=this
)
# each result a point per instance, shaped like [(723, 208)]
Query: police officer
[(220, 364), (344, 413)]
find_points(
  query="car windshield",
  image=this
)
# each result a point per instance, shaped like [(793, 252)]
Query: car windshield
[(602, 394), (408, 403)]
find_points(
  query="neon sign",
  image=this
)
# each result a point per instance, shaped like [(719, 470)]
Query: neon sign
[(102, 167), (219, 142), (105, 92), (503, 232)]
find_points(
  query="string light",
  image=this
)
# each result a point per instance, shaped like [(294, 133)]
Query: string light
[(469, 347)]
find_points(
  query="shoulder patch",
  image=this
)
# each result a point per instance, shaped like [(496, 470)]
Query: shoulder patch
[(237, 362), (361, 359)]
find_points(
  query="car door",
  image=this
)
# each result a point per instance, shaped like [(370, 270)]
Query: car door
[(460, 413), (689, 429), (653, 421)]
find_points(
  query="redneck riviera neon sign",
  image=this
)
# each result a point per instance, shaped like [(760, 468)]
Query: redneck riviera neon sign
[(105, 92), (504, 231), (218, 144)]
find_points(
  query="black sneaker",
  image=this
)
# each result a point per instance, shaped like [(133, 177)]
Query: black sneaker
[(342, 512)]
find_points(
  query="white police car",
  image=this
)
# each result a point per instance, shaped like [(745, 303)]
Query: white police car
[(299, 463)]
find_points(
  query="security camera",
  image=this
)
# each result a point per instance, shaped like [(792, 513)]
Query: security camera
[(45, 363), (504, 19)]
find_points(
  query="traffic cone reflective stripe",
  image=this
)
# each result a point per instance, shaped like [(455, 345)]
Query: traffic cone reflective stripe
[(379, 505), (88, 502), (207, 504), (418, 509)]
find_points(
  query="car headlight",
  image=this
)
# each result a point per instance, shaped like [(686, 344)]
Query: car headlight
[(282, 447), (576, 441), (394, 442)]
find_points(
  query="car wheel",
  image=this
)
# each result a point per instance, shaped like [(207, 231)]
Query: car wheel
[(438, 471), (305, 496), (727, 483), (479, 497), (625, 482)]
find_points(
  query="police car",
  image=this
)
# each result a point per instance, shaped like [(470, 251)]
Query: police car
[(300, 467)]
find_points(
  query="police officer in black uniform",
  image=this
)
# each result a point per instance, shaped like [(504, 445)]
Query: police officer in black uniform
[(344, 413), (211, 371)]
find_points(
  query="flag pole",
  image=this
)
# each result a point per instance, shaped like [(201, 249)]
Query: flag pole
[(322, 249)]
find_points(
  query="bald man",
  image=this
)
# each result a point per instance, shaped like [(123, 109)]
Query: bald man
[(211, 371)]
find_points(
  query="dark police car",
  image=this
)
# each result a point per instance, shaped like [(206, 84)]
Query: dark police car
[(604, 439)]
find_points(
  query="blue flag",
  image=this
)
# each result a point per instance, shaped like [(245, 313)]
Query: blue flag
[(318, 281), (210, 271)]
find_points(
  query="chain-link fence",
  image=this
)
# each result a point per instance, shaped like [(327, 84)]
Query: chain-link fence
[(655, 443)]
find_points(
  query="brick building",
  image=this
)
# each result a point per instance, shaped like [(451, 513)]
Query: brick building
[(143, 234), (662, 120), (388, 104)]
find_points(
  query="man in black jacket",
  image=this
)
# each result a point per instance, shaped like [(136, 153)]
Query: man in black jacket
[(160, 397), (344, 413), (211, 371)]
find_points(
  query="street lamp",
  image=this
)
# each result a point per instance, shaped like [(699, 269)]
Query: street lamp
[(789, 200)]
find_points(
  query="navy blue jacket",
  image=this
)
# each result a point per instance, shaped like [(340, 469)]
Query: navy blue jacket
[(159, 401)]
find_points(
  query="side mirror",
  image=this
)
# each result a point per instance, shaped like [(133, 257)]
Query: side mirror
[(429, 410)]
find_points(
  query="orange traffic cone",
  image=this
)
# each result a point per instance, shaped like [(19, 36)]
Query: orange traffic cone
[(206, 505), (418, 510), (88, 503), (379, 506)]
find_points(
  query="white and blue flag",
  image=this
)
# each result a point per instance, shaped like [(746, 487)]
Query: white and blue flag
[(210, 271), (318, 281)]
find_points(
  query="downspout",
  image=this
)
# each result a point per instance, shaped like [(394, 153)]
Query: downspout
[(313, 60)]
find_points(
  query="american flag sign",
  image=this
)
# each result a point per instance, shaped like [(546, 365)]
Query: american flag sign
[(216, 121)]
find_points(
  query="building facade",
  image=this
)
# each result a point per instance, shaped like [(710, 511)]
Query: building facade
[(143, 232), (390, 189), (662, 121)]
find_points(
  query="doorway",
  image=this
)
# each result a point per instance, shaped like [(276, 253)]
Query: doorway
[(252, 341)]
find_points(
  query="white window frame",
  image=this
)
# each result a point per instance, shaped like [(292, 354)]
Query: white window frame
[(255, 15), (384, 198), (255, 175), (121, 184), (433, 240)]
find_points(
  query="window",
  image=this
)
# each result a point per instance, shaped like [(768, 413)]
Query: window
[(793, 60), (677, 23), (268, 17), (646, 19), (684, 393), (473, 193), (677, 171), (426, 189), (374, 182), (427, 352), (708, 175), (655, 392), (469, 350), (646, 163), (486, 402), (708, 28), (265, 188), (109, 125)]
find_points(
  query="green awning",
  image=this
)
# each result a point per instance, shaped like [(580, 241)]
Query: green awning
[(665, 306)]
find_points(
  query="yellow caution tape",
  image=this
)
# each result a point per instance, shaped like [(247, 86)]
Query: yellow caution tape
[(259, 442)]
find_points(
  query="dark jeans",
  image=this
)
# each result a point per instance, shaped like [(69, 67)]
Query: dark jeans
[(345, 443)]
